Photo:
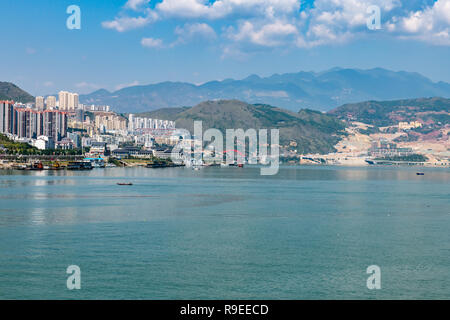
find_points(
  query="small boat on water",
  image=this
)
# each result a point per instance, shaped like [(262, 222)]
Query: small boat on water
[(125, 184), (420, 173), (37, 166)]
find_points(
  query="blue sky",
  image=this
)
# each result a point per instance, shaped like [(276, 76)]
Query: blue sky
[(140, 42)]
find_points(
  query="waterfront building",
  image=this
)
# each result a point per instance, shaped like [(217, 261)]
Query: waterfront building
[(162, 153), (135, 152), (382, 148), (98, 148), (44, 143), (64, 144)]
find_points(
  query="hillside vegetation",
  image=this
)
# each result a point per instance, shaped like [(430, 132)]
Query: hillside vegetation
[(387, 113), (314, 132), (9, 91)]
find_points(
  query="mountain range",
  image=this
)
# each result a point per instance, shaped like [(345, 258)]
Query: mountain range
[(293, 91)]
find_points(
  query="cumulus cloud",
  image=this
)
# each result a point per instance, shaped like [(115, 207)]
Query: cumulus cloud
[(136, 4), (274, 23), (152, 43), (125, 23), (270, 34), (224, 8), (191, 31), (431, 24)]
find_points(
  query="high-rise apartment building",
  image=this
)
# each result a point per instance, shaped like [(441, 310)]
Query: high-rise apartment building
[(51, 102), (68, 101), (63, 100), (73, 101), (40, 103), (7, 117), (55, 124), (31, 123)]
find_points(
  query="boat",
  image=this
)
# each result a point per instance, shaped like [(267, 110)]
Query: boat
[(124, 184), (420, 173), (79, 166), (35, 166), (96, 162)]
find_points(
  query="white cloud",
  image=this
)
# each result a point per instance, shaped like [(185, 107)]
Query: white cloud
[(191, 31), (152, 43), (223, 8), (135, 4), (269, 35), (275, 23), (338, 21), (126, 23), (431, 24)]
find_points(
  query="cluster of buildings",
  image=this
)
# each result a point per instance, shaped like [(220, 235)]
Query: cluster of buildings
[(110, 121), (409, 125), (139, 123), (383, 148), (65, 123), (67, 101), (30, 124)]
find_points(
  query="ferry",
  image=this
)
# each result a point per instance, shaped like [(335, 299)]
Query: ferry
[(96, 162), (84, 165)]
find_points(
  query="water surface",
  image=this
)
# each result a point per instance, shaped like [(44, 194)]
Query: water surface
[(225, 233)]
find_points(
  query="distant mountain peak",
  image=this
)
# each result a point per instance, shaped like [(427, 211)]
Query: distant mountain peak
[(319, 91)]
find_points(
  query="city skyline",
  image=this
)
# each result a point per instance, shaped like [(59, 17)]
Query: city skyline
[(123, 43)]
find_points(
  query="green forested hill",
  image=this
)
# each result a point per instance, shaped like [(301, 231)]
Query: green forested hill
[(9, 91), (386, 113), (314, 132)]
